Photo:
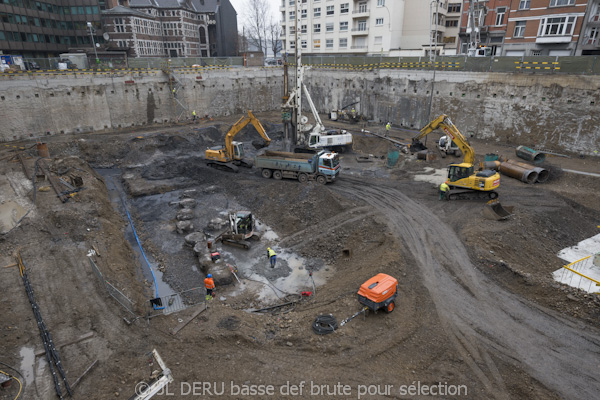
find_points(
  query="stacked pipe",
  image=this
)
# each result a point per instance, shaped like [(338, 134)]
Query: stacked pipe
[(542, 173)]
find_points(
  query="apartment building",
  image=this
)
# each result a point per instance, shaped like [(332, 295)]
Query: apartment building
[(484, 23), (174, 28), (39, 29), (544, 27), (589, 41), (452, 24), (342, 26)]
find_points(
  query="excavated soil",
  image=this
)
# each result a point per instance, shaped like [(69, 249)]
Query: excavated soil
[(477, 310)]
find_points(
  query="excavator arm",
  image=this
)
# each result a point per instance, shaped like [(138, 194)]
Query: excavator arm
[(445, 123), (238, 126)]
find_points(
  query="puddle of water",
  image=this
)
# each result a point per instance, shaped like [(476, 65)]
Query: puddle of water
[(27, 363), (436, 176)]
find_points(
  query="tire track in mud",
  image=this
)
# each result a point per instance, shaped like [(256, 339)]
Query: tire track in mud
[(483, 318)]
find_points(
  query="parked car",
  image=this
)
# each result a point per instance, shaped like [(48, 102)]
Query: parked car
[(270, 61), (31, 65)]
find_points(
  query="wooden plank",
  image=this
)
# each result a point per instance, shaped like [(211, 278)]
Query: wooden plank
[(79, 339), (184, 323), (9, 266)]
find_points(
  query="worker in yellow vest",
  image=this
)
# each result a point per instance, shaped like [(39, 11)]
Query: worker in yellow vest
[(444, 191), (272, 256)]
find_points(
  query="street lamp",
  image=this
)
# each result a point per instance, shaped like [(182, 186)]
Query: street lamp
[(89, 24)]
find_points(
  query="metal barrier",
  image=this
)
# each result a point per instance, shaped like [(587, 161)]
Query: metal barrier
[(166, 305), (113, 291), (576, 274)]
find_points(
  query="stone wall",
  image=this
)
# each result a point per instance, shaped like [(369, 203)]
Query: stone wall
[(558, 112)]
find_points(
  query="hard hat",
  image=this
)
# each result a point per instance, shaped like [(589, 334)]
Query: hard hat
[(268, 248), (209, 276)]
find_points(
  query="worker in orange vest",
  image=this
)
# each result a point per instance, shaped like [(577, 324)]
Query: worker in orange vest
[(209, 284)]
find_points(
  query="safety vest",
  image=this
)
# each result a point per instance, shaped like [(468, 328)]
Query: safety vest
[(271, 253), (194, 113), (388, 126), (444, 187), (209, 283)]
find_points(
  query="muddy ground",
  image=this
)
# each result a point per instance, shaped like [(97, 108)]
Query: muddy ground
[(478, 314)]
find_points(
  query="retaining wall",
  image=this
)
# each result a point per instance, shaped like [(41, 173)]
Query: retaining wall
[(559, 112)]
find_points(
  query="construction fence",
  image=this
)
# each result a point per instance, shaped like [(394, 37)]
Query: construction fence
[(549, 65), (163, 305)]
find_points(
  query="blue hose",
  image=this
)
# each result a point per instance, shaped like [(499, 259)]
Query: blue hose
[(143, 254)]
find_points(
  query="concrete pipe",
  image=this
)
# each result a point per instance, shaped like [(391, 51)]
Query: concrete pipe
[(517, 172), (543, 173), (529, 154)]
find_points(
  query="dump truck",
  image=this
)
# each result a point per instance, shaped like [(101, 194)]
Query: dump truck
[(322, 167)]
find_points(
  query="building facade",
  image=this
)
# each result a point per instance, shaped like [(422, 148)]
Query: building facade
[(589, 41), (452, 25), (40, 29), (342, 26), (544, 27), (173, 28), (529, 27)]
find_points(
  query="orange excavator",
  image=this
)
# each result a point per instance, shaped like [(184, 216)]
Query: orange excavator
[(230, 156)]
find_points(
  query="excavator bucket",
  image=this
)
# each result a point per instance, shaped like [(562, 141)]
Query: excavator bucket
[(493, 210), (259, 144), (417, 146)]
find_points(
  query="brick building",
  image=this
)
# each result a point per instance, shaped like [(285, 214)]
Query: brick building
[(173, 28)]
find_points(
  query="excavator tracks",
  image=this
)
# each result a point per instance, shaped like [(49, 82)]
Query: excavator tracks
[(229, 167), (472, 195)]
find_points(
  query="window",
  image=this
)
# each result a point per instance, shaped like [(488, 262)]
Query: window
[(330, 10), (449, 39), (317, 12), (329, 27), (500, 15), (304, 44), (317, 43), (380, 3), (304, 13), (362, 25), (554, 3), (524, 4), (454, 8), (292, 15), (451, 23), (379, 21), (378, 39), (519, 29), (303, 29), (557, 26), (317, 28), (344, 8), (292, 44), (329, 44), (344, 26), (343, 43), (536, 52)]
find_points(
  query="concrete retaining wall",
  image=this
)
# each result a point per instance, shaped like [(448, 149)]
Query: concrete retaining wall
[(559, 112)]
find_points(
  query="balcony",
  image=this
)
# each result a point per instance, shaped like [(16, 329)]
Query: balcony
[(554, 39), (594, 20), (360, 31), (359, 49), (361, 13)]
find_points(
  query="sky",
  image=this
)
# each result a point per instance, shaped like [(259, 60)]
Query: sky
[(239, 7)]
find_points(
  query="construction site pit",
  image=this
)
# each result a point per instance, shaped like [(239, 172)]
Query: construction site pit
[(478, 313)]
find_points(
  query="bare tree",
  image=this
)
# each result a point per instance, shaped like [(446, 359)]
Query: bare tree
[(257, 15), (275, 31)]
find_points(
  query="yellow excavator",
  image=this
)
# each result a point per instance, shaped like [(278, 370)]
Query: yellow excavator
[(480, 184), (230, 156)]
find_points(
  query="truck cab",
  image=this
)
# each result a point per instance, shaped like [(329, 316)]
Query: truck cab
[(329, 165)]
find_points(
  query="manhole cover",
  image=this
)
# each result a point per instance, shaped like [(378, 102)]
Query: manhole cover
[(229, 323)]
